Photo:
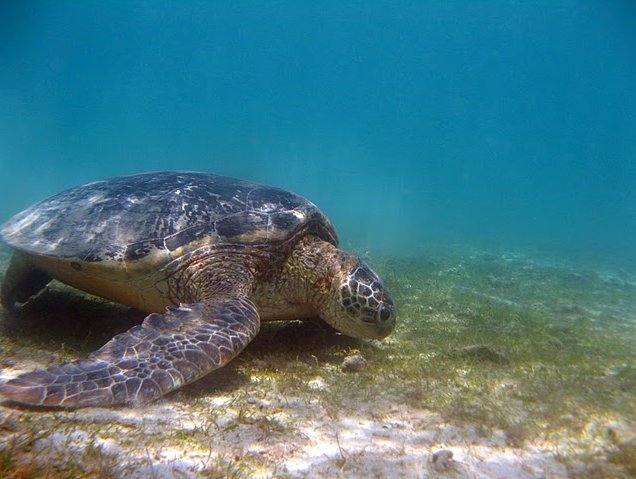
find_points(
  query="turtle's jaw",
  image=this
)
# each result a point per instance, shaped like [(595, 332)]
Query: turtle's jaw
[(362, 306), (366, 331)]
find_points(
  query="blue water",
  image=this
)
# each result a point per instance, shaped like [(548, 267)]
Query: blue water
[(410, 123)]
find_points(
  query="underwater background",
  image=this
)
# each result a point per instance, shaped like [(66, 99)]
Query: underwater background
[(507, 124), (480, 155)]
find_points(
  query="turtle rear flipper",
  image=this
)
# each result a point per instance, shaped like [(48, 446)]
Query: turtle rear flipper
[(22, 280), (163, 353)]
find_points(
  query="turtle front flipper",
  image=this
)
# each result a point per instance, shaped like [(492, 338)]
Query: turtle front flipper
[(22, 280), (162, 354)]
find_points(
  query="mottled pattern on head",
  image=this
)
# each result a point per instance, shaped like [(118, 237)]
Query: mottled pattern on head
[(364, 296)]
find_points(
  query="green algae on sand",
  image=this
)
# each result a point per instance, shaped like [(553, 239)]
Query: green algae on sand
[(561, 400)]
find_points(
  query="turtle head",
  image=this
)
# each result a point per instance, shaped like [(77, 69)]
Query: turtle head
[(359, 304)]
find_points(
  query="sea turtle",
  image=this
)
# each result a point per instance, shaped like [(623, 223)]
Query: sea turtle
[(208, 256)]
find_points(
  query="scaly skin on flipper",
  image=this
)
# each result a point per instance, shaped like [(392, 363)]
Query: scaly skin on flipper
[(158, 356)]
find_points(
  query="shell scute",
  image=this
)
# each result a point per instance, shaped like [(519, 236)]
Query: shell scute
[(129, 219)]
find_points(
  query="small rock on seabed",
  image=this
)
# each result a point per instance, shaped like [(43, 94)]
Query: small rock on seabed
[(353, 363)]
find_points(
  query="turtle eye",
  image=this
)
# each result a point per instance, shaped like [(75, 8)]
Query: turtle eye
[(384, 313)]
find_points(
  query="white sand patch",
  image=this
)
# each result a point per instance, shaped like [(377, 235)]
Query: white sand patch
[(290, 437)]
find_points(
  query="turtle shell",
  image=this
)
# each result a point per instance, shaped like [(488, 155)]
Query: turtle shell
[(160, 215)]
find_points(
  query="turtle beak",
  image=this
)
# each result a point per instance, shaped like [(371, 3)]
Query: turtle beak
[(385, 323)]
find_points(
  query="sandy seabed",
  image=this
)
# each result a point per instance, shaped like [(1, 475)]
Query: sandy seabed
[(286, 409)]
